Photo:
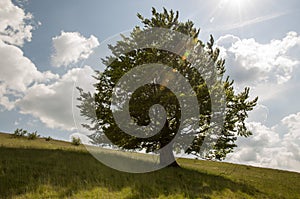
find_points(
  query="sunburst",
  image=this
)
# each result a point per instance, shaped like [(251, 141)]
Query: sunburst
[(238, 8)]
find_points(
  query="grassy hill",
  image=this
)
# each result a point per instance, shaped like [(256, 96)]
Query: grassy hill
[(57, 169)]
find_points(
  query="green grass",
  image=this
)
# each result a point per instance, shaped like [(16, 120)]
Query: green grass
[(57, 169)]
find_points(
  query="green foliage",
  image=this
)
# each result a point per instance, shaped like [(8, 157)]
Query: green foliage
[(48, 138), (19, 133), (76, 141), (33, 135), (237, 104)]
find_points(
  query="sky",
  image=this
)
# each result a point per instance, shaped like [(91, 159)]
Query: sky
[(44, 44)]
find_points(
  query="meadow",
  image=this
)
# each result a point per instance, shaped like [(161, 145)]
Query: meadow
[(57, 169)]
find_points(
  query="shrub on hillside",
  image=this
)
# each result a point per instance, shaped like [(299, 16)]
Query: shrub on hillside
[(76, 141), (48, 138), (19, 133), (33, 135)]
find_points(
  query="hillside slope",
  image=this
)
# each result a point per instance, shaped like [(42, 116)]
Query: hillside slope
[(57, 169)]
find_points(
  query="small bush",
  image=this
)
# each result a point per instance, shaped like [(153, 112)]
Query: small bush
[(76, 141), (33, 136), (19, 133), (48, 138)]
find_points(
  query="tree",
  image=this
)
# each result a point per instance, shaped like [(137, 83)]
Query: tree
[(76, 141), (143, 98)]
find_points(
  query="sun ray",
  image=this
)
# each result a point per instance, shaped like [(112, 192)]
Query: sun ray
[(237, 7)]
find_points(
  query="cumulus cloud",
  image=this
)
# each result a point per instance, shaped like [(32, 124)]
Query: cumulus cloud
[(71, 47), (274, 147), (14, 26), (227, 41), (52, 103), (292, 121), (4, 100), (292, 138), (44, 95), (270, 70), (17, 71), (252, 62), (17, 74)]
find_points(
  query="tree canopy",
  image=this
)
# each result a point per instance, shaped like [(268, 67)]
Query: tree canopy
[(99, 107)]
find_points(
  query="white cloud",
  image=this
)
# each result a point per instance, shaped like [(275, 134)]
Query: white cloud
[(4, 100), (292, 121), (274, 147), (250, 61), (14, 27), (23, 86), (71, 47), (292, 138), (17, 73), (52, 104), (227, 41), (270, 69)]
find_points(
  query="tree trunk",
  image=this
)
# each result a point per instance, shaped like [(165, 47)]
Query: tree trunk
[(167, 157)]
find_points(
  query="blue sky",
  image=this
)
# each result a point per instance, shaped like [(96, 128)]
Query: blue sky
[(260, 41)]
